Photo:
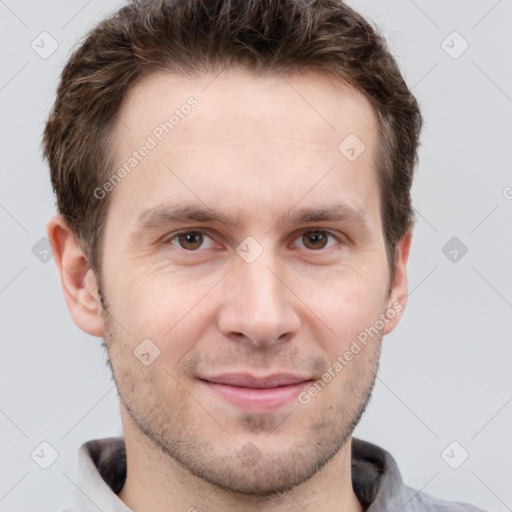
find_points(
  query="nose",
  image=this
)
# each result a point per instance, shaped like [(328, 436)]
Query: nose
[(258, 308)]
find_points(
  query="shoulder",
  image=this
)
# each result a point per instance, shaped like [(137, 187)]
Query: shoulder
[(423, 502), (378, 484)]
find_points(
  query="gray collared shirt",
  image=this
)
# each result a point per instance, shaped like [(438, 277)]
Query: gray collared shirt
[(375, 478)]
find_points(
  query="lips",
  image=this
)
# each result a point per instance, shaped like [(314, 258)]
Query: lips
[(244, 380), (256, 393)]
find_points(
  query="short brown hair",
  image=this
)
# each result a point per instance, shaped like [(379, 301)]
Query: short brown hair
[(201, 36)]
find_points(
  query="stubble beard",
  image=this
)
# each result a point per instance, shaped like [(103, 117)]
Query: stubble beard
[(248, 469)]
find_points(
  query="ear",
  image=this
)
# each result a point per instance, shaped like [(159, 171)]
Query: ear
[(397, 298), (78, 281)]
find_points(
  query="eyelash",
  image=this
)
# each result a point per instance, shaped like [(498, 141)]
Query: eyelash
[(172, 236)]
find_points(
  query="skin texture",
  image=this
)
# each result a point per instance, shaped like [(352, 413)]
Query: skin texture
[(257, 149)]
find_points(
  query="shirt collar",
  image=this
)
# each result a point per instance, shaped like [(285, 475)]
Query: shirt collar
[(376, 479)]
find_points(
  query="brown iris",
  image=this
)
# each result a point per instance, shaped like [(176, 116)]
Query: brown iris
[(315, 239), (190, 240)]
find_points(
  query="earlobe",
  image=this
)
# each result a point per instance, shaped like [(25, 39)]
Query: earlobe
[(397, 298), (78, 280)]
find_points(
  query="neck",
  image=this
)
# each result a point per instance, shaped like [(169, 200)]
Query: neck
[(156, 482)]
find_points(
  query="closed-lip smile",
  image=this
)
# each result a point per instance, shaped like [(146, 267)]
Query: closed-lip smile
[(248, 391)]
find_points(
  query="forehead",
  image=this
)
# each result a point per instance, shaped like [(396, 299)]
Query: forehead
[(214, 134), (312, 108)]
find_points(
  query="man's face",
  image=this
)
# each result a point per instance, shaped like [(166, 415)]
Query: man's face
[(274, 292)]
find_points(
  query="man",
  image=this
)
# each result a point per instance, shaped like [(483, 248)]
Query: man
[(232, 180)]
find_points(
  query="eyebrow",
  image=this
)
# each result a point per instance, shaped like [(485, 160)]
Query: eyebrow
[(166, 214)]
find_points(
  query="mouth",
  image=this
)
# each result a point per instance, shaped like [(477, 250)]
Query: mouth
[(250, 392)]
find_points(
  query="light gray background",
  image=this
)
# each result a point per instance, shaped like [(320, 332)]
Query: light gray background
[(446, 371)]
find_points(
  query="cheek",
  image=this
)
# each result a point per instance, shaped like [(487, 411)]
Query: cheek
[(351, 309), (175, 307), (163, 306)]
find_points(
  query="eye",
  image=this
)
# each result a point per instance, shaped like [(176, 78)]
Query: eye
[(190, 240), (318, 239), (313, 239)]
